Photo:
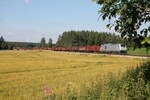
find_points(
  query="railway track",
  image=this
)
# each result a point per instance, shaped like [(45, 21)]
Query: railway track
[(106, 54), (131, 56)]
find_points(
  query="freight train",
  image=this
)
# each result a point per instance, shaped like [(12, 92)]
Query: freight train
[(104, 48)]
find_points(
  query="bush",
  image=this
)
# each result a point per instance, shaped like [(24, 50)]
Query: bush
[(134, 85)]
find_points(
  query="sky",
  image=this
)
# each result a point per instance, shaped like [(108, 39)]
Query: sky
[(30, 20)]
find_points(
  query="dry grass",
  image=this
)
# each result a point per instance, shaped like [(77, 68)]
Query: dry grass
[(25, 74)]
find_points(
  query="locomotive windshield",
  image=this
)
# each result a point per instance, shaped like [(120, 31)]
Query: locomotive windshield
[(123, 45)]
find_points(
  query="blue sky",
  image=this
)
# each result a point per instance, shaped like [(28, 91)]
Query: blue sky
[(30, 20)]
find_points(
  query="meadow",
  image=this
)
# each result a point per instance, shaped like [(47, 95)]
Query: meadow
[(24, 75)]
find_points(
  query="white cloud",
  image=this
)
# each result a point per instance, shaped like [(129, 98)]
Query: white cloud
[(27, 1)]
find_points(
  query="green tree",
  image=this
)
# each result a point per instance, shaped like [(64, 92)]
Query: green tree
[(86, 38), (1, 41), (10, 46), (59, 41), (3, 44), (50, 42), (43, 43), (128, 17)]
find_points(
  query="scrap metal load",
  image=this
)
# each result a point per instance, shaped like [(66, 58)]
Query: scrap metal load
[(83, 48)]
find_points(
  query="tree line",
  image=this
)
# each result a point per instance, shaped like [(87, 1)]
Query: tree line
[(67, 39), (5, 45), (87, 38)]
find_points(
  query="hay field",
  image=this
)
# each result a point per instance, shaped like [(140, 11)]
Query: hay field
[(25, 74)]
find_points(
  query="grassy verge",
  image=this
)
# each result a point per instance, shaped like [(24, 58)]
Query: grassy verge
[(139, 51), (134, 85)]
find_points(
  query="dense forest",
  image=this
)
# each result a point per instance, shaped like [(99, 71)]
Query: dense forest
[(4, 45), (86, 38), (7, 45)]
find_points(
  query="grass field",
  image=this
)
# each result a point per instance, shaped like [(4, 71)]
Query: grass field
[(25, 74), (139, 51)]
